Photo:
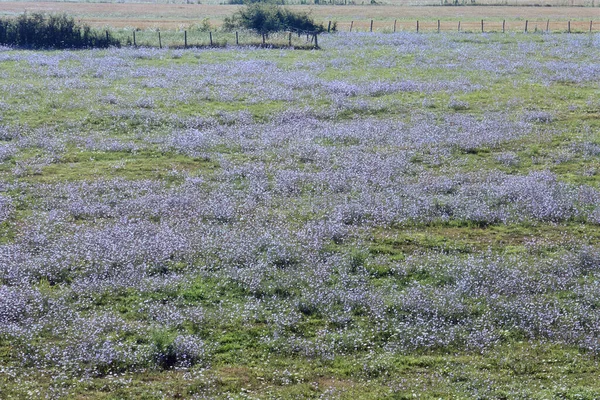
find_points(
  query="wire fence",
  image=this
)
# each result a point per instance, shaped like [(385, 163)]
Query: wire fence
[(533, 25), (293, 38)]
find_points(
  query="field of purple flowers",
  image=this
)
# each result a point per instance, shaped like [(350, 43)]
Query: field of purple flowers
[(394, 216)]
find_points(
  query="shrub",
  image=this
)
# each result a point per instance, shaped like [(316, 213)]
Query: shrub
[(59, 31), (265, 18), (204, 26)]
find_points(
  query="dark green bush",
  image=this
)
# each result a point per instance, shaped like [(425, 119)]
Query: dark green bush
[(265, 18), (54, 31)]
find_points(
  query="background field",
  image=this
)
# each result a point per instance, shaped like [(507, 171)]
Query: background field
[(181, 16), (411, 3)]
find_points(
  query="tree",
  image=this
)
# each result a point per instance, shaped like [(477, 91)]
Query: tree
[(265, 18)]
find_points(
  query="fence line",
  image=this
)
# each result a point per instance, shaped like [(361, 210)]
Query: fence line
[(531, 25), (309, 39), (296, 38), (193, 39)]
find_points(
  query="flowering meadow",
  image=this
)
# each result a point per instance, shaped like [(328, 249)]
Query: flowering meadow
[(392, 216)]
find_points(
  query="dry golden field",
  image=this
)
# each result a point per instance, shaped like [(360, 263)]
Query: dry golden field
[(524, 3), (179, 16)]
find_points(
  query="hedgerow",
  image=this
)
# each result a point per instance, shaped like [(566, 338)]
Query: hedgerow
[(53, 31)]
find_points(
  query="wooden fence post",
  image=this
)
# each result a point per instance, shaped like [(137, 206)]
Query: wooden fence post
[(503, 25), (371, 25), (394, 26), (134, 44), (351, 23), (329, 27), (547, 25), (417, 26), (237, 41), (526, 22), (185, 39), (210, 37), (263, 39), (481, 26), (438, 26), (107, 40), (159, 41), (591, 26), (290, 39), (316, 41), (569, 27)]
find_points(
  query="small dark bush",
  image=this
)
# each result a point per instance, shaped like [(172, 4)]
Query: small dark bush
[(265, 18), (54, 31)]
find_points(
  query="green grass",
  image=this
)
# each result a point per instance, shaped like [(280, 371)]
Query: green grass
[(508, 239), (143, 165), (516, 370)]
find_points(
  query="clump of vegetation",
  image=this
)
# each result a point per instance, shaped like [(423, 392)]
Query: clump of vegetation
[(54, 31), (281, 2), (265, 18), (204, 26)]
